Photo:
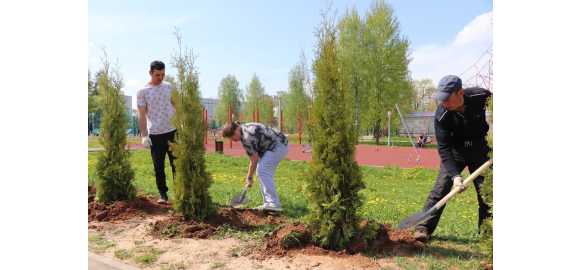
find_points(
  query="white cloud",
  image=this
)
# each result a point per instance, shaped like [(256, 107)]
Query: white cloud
[(434, 61)]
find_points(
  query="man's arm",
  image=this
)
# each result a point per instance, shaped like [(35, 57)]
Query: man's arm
[(445, 150), (254, 160), (142, 121)]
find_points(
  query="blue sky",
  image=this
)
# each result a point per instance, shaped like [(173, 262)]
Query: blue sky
[(267, 37)]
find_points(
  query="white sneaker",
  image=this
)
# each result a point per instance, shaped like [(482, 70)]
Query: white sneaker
[(267, 207)]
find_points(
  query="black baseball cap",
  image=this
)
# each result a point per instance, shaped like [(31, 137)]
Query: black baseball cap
[(448, 85)]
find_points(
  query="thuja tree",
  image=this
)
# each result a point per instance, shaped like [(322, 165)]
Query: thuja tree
[(334, 176), (114, 172), (486, 241), (192, 180)]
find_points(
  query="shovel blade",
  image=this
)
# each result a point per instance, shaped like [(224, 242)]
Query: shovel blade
[(239, 199), (415, 219)]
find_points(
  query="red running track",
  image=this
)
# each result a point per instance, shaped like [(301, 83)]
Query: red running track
[(404, 157)]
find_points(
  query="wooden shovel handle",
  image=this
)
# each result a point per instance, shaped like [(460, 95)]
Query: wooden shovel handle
[(466, 182)]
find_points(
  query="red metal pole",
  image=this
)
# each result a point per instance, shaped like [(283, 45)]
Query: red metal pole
[(230, 121), (299, 128)]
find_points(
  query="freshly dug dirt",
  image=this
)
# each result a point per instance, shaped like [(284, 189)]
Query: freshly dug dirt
[(292, 236), (91, 193), (242, 219), (124, 210), (386, 241)]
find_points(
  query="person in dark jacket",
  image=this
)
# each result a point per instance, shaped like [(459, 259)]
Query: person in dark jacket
[(461, 129)]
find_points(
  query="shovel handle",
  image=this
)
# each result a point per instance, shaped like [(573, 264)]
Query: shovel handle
[(467, 181)]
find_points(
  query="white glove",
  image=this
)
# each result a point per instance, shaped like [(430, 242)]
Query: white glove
[(458, 182), (146, 141)]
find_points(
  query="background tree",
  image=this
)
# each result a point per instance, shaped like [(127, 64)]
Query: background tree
[(297, 100), (266, 110), (385, 68), (255, 99), (192, 179), (114, 171), (92, 104), (351, 55), (229, 92), (424, 91), (92, 94), (334, 176)]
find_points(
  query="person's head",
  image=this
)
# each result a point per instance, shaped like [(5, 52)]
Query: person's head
[(157, 72), (232, 131), (450, 92)]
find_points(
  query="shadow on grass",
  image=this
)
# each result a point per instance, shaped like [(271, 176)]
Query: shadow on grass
[(434, 251), (295, 210), (455, 239), (447, 252)]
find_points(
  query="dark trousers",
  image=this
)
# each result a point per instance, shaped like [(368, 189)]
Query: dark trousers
[(160, 146), (444, 184)]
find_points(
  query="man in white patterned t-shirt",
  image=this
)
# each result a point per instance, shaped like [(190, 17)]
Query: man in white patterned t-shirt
[(154, 102)]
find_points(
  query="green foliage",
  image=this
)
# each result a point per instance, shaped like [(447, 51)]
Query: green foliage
[(351, 53), (334, 177), (383, 67), (486, 243), (296, 101), (114, 173), (92, 95), (257, 99), (192, 180), (229, 93)]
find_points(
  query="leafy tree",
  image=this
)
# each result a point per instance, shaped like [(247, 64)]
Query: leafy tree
[(92, 94), (385, 68), (192, 179), (255, 99), (229, 93), (266, 110), (351, 54), (297, 100), (114, 171), (424, 90), (334, 176)]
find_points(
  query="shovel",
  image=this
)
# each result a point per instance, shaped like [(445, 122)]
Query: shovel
[(422, 216), (241, 198)]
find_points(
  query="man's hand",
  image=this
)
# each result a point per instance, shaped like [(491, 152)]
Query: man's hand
[(146, 141), (458, 182), (249, 181)]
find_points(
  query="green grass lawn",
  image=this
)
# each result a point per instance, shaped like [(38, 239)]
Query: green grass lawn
[(93, 141), (391, 194)]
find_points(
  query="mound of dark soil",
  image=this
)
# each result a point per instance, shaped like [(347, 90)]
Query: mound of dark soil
[(124, 210), (297, 238), (242, 219)]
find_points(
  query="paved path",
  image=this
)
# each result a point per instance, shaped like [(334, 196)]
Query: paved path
[(98, 262), (371, 155)]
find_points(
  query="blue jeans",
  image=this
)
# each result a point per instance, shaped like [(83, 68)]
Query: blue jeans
[(266, 172)]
